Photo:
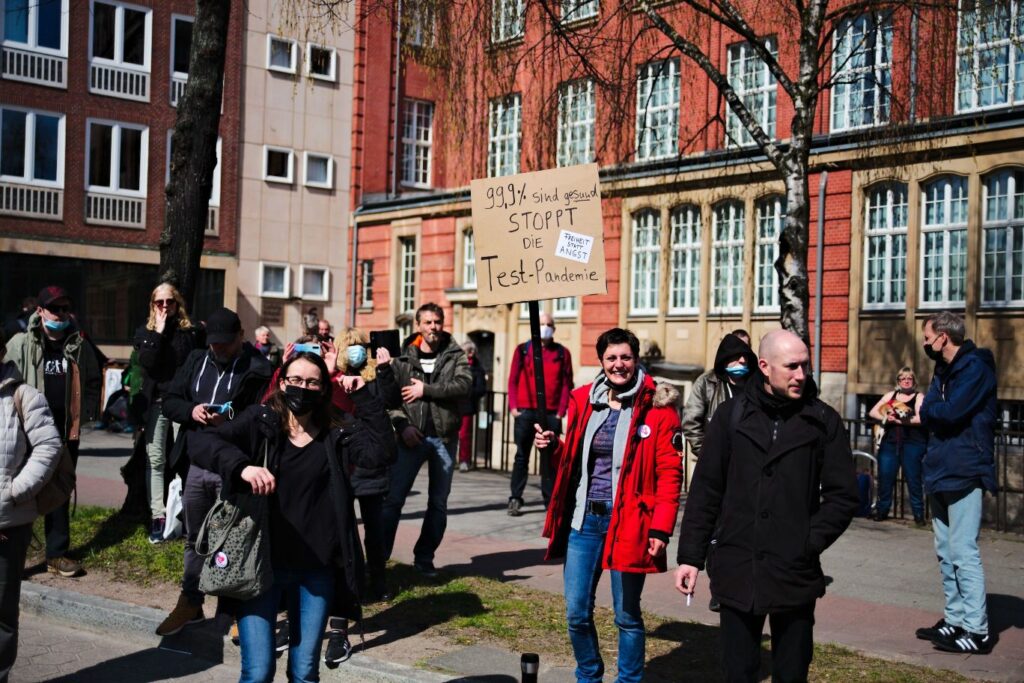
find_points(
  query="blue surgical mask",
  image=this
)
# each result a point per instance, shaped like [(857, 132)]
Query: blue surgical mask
[(56, 325), (356, 356), (738, 370)]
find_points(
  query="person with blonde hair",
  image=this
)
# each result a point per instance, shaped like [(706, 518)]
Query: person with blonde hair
[(161, 346), (903, 444)]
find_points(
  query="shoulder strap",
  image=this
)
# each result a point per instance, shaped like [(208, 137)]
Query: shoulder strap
[(19, 397)]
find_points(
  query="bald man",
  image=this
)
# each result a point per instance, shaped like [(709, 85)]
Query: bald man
[(773, 488)]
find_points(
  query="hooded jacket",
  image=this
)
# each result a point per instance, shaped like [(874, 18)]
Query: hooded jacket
[(84, 377), (23, 470), (646, 496), (774, 487), (712, 389), (449, 384), (960, 414)]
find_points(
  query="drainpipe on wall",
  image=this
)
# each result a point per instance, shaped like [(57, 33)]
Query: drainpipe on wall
[(398, 107), (913, 63), (819, 277), (354, 228)]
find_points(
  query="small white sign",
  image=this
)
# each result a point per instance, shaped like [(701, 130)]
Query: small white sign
[(574, 246)]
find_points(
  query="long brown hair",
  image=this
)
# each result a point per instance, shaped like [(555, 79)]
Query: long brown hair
[(184, 323), (325, 414)]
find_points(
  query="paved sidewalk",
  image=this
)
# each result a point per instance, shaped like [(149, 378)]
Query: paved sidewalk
[(885, 581)]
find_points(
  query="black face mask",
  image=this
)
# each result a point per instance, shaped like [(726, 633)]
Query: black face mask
[(932, 353), (301, 400)]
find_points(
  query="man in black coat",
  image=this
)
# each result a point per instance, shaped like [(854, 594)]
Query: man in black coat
[(773, 488)]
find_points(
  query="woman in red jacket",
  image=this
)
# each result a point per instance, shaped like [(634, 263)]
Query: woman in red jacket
[(615, 499)]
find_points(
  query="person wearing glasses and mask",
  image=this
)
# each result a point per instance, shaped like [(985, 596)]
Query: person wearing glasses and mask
[(209, 389), (55, 358), (161, 345), (314, 546)]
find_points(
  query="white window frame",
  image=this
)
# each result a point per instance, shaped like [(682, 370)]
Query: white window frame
[(115, 157), (892, 237), (118, 59), (309, 156), (727, 256), (175, 18), (291, 165), (325, 282), (29, 147), (1011, 224), (645, 262), (508, 20), (873, 33), (685, 237), (420, 25), (759, 97), (294, 53), (469, 280), (417, 142), (407, 285), (653, 78), (576, 134), (565, 307), (215, 188), (332, 75), (770, 216), (971, 50), (949, 230), (32, 42), (503, 149), (366, 283), (287, 280), (579, 10)]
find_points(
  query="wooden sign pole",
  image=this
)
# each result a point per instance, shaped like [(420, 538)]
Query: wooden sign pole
[(538, 380)]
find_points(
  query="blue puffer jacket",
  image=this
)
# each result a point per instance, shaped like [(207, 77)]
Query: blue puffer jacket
[(960, 413)]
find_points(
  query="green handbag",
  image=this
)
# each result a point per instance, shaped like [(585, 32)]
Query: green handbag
[(234, 542)]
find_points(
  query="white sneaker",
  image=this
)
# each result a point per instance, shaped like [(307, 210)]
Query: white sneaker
[(463, 467)]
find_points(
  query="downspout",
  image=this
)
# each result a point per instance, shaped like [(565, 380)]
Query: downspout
[(398, 80), (819, 277), (914, 19), (353, 226)]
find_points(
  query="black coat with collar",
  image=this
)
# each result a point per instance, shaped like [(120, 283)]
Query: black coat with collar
[(364, 441), (773, 494)]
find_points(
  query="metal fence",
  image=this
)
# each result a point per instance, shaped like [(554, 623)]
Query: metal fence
[(494, 448)]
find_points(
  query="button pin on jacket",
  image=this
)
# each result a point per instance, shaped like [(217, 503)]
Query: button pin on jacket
[(220, 559), (643, 431)]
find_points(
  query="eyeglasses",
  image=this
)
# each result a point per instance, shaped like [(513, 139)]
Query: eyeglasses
[(297, 381), (58, 309), (164, 302), (905, 377)]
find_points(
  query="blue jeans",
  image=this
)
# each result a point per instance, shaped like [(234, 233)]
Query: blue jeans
[(956, 520), (890, 457), (440, 458), (582, 573), (308, 594)]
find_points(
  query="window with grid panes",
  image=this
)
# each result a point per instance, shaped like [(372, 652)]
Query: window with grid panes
[(576, 123), (770, 215), (684, 273), (1002, 269), (944, 242), (508, 19), (574, 10), (468, 260), (417, 140), (565, 307), (862, 68), (885, 245), (657, 110), (366, 284), (407, 274), (503, 148), (990, 54), (755, 86), (646, 262), (727, 229)]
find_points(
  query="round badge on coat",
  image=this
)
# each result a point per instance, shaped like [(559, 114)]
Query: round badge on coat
[(220, 559), (644, 431)]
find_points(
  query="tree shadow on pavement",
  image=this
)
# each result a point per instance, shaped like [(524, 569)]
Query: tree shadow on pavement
[(139, 667), (501, 565), (493, 678), (1005, 612), (695, 654)]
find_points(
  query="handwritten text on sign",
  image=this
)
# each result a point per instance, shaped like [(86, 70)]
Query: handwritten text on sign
[(538, 235)]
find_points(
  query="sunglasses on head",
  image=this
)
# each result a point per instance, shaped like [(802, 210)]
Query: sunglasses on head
[(164, 302), (58, 309)]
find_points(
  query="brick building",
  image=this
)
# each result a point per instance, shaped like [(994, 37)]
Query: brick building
[(922, 206)]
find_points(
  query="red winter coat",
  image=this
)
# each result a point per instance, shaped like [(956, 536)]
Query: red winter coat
[(647, 497)]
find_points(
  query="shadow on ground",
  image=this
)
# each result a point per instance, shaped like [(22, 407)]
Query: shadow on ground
[(500, 566), (1005, 612), (139, 667), (694, 655)]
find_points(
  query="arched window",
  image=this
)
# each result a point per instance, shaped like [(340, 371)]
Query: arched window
[(1002, 269), (684, 267), (646, 271), (944, 241), (727, 257), (885, 245)]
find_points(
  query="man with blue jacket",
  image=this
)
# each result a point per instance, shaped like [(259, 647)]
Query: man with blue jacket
[(960, 413)]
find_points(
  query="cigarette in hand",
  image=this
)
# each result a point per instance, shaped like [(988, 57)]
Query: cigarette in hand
[(689, 597)]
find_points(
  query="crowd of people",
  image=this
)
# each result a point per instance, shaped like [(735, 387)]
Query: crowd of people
[(332, 420)]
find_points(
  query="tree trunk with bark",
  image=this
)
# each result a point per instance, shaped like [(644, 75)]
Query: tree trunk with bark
[(194, 145)]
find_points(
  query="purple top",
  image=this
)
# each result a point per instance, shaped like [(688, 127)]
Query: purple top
[(600, 484)]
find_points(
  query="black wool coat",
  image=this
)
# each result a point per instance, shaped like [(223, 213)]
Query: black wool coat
[(769, 495)]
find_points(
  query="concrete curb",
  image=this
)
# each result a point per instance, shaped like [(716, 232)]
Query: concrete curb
[(205, 641)]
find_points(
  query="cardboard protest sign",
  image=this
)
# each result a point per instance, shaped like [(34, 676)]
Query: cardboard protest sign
[(538, 235)]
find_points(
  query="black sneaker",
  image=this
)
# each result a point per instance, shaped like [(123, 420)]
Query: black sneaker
[(338, 649), (281, 637), (156, 530), (425, 568), (966, 644), (941, 631), (515, 507), (714, 605)]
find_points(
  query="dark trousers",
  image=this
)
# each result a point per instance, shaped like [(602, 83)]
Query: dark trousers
[(57, 524), (523, 433), (373, 538), (202, 489), (792, 634), (13, 546)]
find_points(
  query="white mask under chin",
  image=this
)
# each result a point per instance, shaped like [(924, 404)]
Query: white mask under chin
[(547, 332)]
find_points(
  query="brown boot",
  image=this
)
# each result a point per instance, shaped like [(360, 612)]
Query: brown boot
[(183, 614)]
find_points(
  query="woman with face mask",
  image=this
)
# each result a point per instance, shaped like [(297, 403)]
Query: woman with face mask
[(314, 544)]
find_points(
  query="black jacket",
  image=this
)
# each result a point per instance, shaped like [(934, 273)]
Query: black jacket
[(373, 477), (160, 355), (228, 449), (774, 490), (251, 375)]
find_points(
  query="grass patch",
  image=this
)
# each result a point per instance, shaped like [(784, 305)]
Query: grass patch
[(473, 609)]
